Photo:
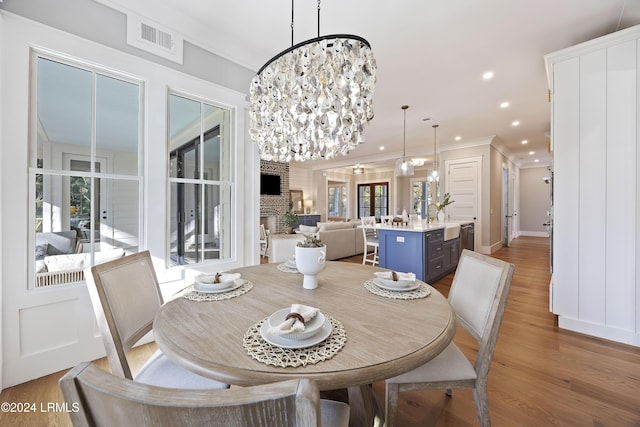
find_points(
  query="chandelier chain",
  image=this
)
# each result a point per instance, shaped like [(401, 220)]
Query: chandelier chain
[(292, 22), (318, 18)]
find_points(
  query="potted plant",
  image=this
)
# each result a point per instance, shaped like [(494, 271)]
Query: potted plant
[(446, 201), (290, 219), (311, 255)]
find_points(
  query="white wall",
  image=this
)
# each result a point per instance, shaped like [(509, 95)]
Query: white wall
[(301, 178), (535, 201), (596, 241), (75, 324)]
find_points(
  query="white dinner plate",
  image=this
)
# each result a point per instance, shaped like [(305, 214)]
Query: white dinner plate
[(291, 264), (280, 341), (205, 282), (379, 283), (207, 289), (311, 327)]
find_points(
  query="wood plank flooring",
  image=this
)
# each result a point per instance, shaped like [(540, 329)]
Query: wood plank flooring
[(540, 376)]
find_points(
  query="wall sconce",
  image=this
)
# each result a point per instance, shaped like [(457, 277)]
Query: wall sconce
[(358, 170)]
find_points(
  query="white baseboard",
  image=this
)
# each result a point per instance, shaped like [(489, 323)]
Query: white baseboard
[(496, 246), (533, 233), (601, 331)]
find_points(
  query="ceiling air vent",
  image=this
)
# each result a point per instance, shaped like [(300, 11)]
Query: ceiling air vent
[(153, 38)]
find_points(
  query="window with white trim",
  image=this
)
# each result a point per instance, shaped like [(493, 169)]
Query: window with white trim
[(84, 170), (200, 180)]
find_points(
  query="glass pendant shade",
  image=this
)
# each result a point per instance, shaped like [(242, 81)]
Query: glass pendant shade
[(313, 100), (404, 168)]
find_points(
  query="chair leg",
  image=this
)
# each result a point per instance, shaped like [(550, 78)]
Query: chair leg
[(482, 405), (391, 404), (374, 255)]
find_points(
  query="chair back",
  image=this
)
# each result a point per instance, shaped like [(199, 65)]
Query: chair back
[(126, 297), (368, 228), (478, 296), (102, 399), (386, 219), (263, 233)]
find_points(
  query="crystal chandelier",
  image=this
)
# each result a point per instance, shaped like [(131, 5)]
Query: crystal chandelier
[(404, 167), (312, 101)]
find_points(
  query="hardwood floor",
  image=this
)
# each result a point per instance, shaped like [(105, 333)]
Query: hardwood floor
[(540, 376)]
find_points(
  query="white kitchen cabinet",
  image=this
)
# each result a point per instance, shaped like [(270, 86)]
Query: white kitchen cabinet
[(596, 244)]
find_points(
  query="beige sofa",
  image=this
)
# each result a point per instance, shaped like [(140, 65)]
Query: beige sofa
[(343, 239)]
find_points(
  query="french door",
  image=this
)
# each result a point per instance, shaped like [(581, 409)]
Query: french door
[(373, 199)]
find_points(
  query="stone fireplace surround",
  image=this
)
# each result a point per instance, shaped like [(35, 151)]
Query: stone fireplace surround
[(272, 208)]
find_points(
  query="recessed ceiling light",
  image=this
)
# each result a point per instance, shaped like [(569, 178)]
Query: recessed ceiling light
[(515, 123), (458, 138), (536, 161), (531, 153), (381, 147), (524, 141), (504, 104), (488, 75)]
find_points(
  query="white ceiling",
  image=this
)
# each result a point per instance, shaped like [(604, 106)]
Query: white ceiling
[(430, 54)]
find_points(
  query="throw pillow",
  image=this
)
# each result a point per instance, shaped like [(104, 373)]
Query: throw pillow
[(41, 251), (308, 228), (327, 226), (66, 262)]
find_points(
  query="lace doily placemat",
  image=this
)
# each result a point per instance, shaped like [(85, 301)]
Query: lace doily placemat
[(191, 294), (420, 292), (264, 352), (286, 269)]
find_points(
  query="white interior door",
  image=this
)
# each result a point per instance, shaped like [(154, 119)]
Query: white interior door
[(100, 220), (463, 182), (508, 210)]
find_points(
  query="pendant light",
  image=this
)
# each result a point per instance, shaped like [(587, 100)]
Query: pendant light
[(404, 167), (434, 173), (312, 100)]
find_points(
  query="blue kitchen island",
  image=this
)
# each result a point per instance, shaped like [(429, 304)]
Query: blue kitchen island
[(431, 251)]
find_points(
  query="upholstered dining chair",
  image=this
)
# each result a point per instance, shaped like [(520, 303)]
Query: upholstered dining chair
[(126, 296), (97, 398), (478, 296), (370, 240)]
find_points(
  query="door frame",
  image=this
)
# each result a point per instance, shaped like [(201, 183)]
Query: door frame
[(447, 184), (104, 196), (508, 217)]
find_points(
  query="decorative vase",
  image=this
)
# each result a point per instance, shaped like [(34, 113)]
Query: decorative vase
[(440, 216), (310, 262)]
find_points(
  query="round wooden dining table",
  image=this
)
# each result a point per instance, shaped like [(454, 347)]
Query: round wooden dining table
[(384, 336)]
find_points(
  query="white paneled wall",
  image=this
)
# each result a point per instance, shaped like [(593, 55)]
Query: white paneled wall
[(301, 178), (595, 112)]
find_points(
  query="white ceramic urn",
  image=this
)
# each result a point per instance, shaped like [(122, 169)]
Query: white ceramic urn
[(310, 262)]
